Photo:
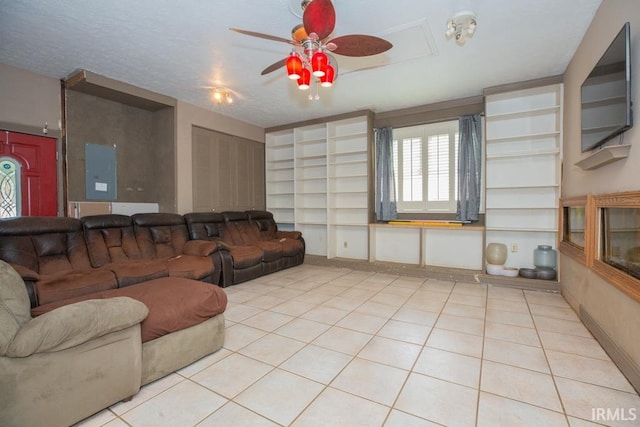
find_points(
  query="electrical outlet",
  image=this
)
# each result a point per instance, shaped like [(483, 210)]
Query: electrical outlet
[(514, 247)]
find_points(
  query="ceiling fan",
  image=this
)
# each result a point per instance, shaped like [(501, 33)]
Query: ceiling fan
[(312, 36)]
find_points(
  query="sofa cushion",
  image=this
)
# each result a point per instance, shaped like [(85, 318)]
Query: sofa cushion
[(14, 305), (110, 238), (271, 250), (245, 256), (290, 247), (43, 244), (70, 284), (135, 271), (204, 225), (190, 266), (160, 235), (174, 303)]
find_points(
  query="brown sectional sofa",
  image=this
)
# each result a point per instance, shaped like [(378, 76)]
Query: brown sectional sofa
[(83, 302), (92, 295)]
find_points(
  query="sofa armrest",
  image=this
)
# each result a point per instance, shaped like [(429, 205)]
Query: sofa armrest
[(200, 247), (222, 245), (295, 235), (75, 324), (29, 277), (25, 273), (204, 247)]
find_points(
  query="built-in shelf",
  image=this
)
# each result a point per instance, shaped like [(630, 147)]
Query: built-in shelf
[(523, 160), (604, 156), (330, 202)]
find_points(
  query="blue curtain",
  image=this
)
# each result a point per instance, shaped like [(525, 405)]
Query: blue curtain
[(386, 207), (469, 168)]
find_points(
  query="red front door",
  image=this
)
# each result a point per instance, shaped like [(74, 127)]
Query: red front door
[(38, 183)]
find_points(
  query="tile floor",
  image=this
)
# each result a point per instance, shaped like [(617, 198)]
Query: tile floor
[(322, 346)]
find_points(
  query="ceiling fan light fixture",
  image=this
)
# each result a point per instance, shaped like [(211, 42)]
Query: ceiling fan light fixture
[(305, 79), (327, 79), (219, 95), (298, 33), (319, 63), (312, 42), (294, 66)]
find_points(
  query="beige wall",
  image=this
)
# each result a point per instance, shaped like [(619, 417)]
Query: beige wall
[(624, 174), (617, 314), (29, 100), (189, 116)]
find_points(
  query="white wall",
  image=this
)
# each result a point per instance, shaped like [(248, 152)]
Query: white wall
[(623, 175)]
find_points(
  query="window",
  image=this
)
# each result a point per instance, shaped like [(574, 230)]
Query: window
[(574, 225), (426, 167), (620, 247), (9, 188)]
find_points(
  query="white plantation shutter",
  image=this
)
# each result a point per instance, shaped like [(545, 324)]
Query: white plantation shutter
[(412, 170), (438, 167), (396, 165), (425, 160), (456, 151)]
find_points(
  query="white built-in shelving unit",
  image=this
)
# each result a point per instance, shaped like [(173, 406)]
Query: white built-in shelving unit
[(523, 166), (318, 183), (279, 179), (348, 182), (310, 202)]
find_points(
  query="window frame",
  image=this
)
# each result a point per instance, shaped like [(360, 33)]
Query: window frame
[(424, 132), (618, 278)]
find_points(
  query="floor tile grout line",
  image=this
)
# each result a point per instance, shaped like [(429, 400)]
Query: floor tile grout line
[(353, 357), (546, 358), (372, 335), (424, 345), (479, 384)]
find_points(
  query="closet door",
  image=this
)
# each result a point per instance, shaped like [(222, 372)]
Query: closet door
[(227, 172)]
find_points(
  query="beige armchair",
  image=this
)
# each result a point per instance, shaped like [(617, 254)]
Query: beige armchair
[(65, 365)]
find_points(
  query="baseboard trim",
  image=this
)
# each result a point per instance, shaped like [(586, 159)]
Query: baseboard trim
[(627, 366)]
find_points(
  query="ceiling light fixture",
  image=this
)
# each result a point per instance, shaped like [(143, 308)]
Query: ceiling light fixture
[(220, 95), (461, 26), (310, 61)]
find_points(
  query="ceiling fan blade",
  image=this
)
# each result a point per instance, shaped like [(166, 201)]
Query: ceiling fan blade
[(262, 36), (271, 68), (360, 45), (319, 17)]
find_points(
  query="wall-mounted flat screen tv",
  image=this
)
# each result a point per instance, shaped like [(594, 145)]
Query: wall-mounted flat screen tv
[(606, 94)]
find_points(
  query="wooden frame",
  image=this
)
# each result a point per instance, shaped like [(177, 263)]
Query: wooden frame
[(582, 255), (626, 283)]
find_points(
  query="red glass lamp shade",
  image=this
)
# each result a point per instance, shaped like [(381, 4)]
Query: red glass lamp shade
[(294, 67), (319, 63), (305, 79), (329, 75)]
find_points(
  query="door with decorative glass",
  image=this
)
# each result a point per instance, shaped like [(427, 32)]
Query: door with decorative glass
[(28, 180)]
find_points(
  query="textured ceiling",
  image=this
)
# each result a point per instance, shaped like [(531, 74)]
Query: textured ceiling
[(179, 48)]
